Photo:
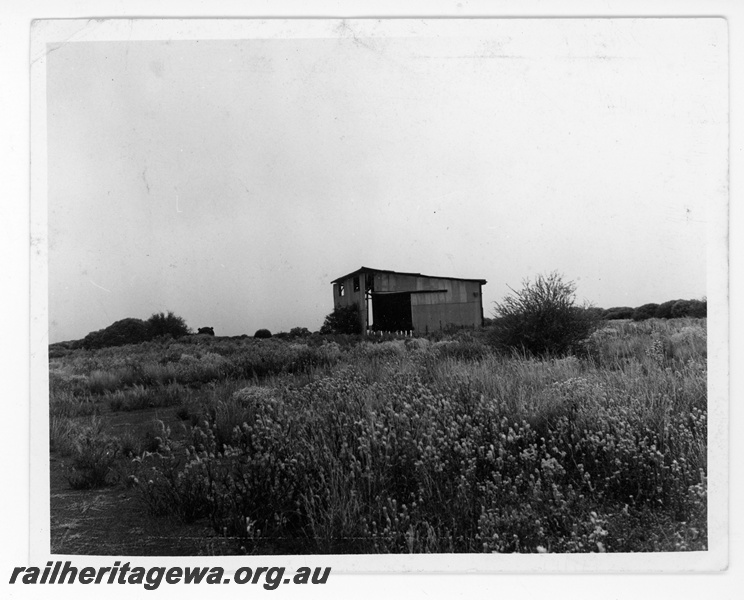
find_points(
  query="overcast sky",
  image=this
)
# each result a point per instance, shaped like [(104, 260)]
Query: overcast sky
[(231, 180)]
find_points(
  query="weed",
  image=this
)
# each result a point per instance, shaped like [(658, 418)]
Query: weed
[(412, 445), (93, 459)]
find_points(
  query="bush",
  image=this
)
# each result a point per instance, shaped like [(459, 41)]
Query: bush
[(690, 308), (543, 318), (262, 334), (676, 309), (167, 324), (647, 311), (138, 397), (698, 309), (120, 333), (169, 486), (299, 332), (619, 312), (63, 433), (344, 319), (100, 382), (93, 459), (664, 310), (135, 331), (680, 309), (462, 350), (595, 312)]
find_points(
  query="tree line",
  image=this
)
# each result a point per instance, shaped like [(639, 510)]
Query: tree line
[(671, 309)]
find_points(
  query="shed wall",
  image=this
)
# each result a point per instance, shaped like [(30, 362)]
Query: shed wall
[(430, 315), (351, 297)]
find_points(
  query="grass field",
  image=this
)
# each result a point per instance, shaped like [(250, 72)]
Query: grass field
[(332, 444)]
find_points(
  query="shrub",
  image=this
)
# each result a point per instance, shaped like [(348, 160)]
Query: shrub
[(690, 308), (664, 310), (130, 444), (262, 334), (344, 319), (417, 343), (137, 397), (647, 311), (59, 349), (619, 312), (299, 332), (676, 309), (543, 318), (698, 309), (156, 436), (389, 348), (167, 324), (680, 309), (63, 432), (463, 350), (93, 460), (125, 331), (168, 488), (169, 485), (595, 312), (100, 382), (67, 404), (135, 331)]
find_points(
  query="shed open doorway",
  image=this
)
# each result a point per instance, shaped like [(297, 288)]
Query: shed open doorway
[(392, 311)]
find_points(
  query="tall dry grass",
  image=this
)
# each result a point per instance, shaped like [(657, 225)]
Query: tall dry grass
[(413, 446)]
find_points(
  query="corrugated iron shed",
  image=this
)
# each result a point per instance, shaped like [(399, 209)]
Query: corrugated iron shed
[(400, 301)]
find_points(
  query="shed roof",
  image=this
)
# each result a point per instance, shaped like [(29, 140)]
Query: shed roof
[(369, 270)]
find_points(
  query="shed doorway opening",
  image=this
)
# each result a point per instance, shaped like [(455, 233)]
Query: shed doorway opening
[(392, 311)]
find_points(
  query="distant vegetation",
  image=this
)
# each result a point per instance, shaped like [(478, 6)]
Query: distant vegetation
[(120, 333), (167, 324), (647, 311), (543, 317), (671, 309), (135, 331), (618, 312)]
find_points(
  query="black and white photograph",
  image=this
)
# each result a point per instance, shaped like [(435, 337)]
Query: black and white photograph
[(409, 294)]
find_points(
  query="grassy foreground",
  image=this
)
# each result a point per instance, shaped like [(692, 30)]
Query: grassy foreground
[(337, 445)]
